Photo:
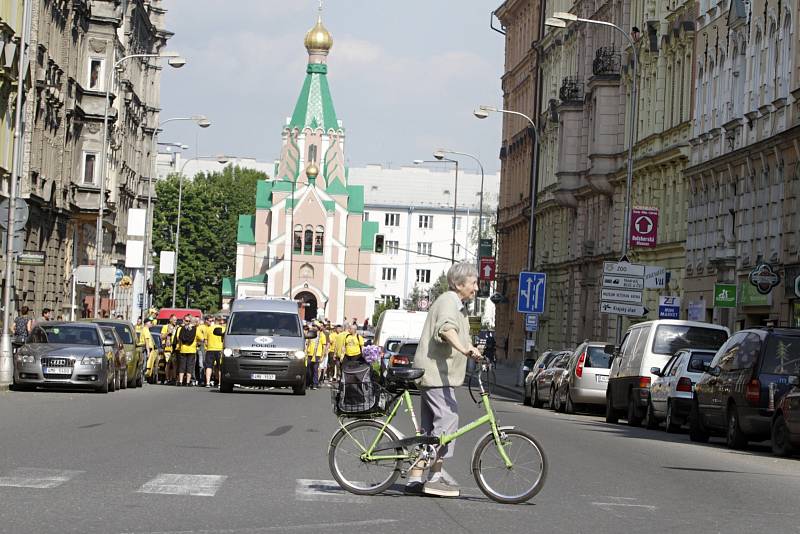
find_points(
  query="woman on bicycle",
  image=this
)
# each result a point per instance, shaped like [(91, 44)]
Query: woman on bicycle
[(443, 350)]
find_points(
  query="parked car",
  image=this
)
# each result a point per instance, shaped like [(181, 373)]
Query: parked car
[(539, 365), (134, 351), (114, 342), (744, 383), (544, 386), (786, 422), (671, 392), (388, 349), (644, 346), (64, 354), (585, 379), (403, 358)]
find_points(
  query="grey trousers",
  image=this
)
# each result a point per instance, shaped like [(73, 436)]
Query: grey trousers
[(439, 414)]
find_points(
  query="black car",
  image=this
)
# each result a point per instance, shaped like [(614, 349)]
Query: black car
[(743, 385), (403, 358)]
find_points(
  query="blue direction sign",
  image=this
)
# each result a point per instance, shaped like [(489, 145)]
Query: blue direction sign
[(531, 292), (531, 322)]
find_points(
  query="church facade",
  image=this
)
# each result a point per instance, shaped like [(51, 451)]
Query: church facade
[(308, 239)]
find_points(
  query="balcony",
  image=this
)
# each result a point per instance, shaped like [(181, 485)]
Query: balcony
[(607, 62), (571, 90)]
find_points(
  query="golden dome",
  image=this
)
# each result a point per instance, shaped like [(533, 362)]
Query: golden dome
[(312, 171), (318, 38)]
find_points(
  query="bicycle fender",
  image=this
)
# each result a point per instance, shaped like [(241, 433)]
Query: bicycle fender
[(499, 428), (390, 427)]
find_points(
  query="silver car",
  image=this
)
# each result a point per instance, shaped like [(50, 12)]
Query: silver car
[(585, 379), (544, 385), (64, 354), (671, 392)]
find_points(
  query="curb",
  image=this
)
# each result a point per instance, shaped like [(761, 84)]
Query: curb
[(515, 390)]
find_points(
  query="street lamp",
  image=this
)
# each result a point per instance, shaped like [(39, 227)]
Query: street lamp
[(560, 20), (439, 155), (443, 151), (203, 122), (222, 160), (174, 60)]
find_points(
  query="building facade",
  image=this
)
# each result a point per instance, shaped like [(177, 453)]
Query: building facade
[(11, 20), (307, 240), (744, 175)]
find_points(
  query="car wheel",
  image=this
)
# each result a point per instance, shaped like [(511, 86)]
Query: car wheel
[(114, 378), (569, 406), (536, 402), (104, 388), (697, 431), (123, 379), (226, 387), (781, 445), (526, 399), (553, 399), (633, 417), (612, 417), (139, 379), (734, 437), (299, 390), (669, 422), (651, 423)]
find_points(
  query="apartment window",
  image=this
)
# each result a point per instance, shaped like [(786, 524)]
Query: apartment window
[(389, 274), (392, 300), (424, 276), (426, 221), (457, 250), (424, 248), (89, 167), (366, 215), (95, 75), (392, 247), (391, 219)]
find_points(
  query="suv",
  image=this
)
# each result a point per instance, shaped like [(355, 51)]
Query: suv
[(647, 345), (744, 383), (671, 392), (586, 377)]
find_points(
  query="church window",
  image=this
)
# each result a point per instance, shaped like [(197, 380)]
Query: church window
[(297, 246), (319, 240), (312, 153), (308, 241)]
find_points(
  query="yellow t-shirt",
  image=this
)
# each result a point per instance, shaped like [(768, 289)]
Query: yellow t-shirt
[(202, 332), (165, 333), (332, 337), (189, 348), (353, 344), (146, 338), (339, 346), (213, 341), (322, 340)]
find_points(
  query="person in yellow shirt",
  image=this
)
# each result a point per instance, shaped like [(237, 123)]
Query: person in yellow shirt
[(353, 345), (321, 354), (146, 339), (167, 341), (311, 351), (188, 340), (214, 346)]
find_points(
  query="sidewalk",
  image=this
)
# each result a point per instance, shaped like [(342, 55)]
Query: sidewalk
[(507, 377)]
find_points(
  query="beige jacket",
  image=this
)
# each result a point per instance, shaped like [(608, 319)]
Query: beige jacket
[(443, 365)]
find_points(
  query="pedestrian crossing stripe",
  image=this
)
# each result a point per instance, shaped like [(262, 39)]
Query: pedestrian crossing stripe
[(309, 489), (178, 484), (34, 477)]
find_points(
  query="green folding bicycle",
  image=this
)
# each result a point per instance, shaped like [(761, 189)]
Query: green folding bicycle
[(366, 456)]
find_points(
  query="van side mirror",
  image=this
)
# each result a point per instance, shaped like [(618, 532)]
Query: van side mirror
[(218, 331), (656, 371), (610, 349)]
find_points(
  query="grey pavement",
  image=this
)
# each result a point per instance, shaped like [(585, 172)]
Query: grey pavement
[(168, 460)]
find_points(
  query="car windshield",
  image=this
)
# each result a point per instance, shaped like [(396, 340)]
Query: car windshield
[(703, 357), (670, 338), (408, 349), (782, 356), (70, 335), (259, 323), (598, 357), (122, 331)]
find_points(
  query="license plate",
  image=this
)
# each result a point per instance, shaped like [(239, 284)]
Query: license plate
[(262, 377), (58, 370), (602, 378)]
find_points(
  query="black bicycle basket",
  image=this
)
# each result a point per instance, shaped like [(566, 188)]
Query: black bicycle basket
[(358, 393)]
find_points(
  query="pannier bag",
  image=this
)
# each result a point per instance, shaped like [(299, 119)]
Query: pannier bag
[(358, 393)]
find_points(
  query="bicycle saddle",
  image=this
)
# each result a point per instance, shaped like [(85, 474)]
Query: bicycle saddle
[(404, 374)]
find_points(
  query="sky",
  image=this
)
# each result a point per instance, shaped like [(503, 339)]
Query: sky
[(404, 75)]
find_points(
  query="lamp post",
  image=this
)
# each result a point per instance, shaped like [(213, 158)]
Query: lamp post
[(560, 20), (203, 122), (443, 151), (176, 61), (222, 160)]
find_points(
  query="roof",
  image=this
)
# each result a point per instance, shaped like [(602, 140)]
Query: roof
[(368, 231), (227, 287), (257, 279), (264, 194), (314, 108), (264, 304), (352, 283), (246, 232)]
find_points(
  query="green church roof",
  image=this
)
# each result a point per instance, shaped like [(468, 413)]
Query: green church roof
[(368, 231), (352, 283), (355, 200), (227, 287), (314, 108), (246, 233), (257, 279), (335, 187), (264, 194)]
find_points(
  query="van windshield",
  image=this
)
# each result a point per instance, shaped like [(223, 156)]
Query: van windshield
[(263, 323), (782, 356), (670, 338)]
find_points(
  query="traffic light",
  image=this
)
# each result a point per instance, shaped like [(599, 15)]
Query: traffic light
[(379, 243)]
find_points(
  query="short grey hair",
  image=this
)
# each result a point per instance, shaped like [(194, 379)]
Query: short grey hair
[(459, 273)]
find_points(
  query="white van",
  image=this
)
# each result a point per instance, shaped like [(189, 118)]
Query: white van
[(399, 325), (647, 345)]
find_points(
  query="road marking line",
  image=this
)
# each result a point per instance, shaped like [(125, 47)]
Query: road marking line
[(325, 490), (33, 477), (647, 506), (176, 484), (256, 530)]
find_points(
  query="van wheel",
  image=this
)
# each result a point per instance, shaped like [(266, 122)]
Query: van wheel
[(697, 431), (226, 387), (734, 437), (299, 390), (612, 417), (650, 420), (781, 445), (633, 417)]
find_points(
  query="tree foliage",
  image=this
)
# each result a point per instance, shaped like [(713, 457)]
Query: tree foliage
[(416, 295), (486, 233), (210, 208), (439, 287), (379, 309)]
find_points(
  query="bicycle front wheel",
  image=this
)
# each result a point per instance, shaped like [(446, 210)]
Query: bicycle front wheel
[(351, 471), (515, 484)]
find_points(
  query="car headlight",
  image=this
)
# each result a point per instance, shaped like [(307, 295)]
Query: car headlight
[(92, 360), (299, 354), (24, 358), (231, 353)]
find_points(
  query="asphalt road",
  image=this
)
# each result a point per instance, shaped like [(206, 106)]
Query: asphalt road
[(168, 460)]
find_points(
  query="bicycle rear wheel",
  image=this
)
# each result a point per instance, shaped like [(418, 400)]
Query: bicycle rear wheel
[(519, 483), (355, 474)]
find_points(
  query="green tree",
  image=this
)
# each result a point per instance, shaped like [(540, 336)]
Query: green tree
[(439, 287), (486, 233), (417, 294), (210, 209), (379, 309)]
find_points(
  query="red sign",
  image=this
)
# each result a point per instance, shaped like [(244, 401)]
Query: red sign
[(487, 269), (644, 227)]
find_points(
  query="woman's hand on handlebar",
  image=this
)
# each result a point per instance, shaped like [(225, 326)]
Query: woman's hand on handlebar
[(474, 353)]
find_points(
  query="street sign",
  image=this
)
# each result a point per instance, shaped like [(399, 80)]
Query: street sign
[(20, 214), (655, 277), (622, 282), (31, 257), (621, 295), (724, 295), (422, 304), (84, 275), (488, 268), (644, 227), (764, 278), (617, 308), (696, 311), (532, 288), (17, 245), (623, 268), (669, 308), (531, 322), (485, 248)]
